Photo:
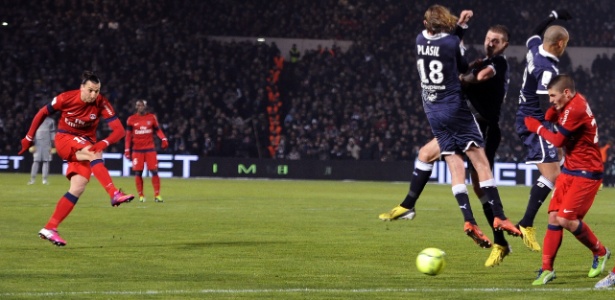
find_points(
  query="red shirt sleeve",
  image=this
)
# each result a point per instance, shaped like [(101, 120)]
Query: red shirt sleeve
[(128, 137), (159, 132), (106, 109)]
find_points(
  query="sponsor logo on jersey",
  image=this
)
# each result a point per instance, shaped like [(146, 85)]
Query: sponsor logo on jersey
[(77, 123), (565, 118), (143, 130)]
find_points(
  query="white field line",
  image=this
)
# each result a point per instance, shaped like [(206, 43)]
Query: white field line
[(298, 290)]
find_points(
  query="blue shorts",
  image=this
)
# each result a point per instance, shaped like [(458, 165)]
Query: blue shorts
[(538, 150), (455, 130)]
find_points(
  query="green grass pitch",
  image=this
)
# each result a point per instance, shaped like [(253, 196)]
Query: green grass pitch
[(273, 239)]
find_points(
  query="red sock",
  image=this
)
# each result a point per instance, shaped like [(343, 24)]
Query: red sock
[(587, 237), (156, 184), (102, 174), (552, 241), (63, 209), (139, 184)]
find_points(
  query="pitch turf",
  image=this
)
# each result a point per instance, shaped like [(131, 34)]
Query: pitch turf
[(269, 239)]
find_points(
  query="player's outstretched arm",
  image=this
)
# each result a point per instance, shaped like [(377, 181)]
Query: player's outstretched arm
[(561, 14), (464, 17), (40, 116), (462, 23), (558, 14)]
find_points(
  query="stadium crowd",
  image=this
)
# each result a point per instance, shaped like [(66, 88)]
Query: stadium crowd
[(220, 99)]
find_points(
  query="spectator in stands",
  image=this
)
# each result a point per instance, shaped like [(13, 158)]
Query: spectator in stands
[(354, 150), (191, 73), (294, 54)]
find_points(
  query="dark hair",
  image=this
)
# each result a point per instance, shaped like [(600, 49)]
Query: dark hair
[(501, 29), (89, 76), (562, 82)]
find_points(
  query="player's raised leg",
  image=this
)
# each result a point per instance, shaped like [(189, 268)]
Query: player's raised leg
[(420, 176)]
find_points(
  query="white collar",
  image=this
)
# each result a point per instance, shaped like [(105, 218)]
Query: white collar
[(544, 53), (436, 36)]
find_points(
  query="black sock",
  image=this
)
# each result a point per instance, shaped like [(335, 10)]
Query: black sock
[(538, 194), (498, 235), (417, 184), (464, 205), (494, 201)]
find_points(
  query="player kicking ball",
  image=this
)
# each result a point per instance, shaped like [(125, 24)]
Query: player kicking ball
[(81, 111)]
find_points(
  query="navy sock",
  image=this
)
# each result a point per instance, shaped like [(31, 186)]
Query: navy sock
[(464, 204), (417, 184), (498, 235), (538, 194), (494, 201)]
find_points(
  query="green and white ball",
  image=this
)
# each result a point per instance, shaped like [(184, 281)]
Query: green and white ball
[(431, 261)]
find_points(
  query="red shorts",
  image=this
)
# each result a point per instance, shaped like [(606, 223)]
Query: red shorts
[(67, 145), (139, 158), (573, 196)]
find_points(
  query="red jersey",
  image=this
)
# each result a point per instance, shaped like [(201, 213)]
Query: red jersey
[(578, 124), (80, 118), (140, 131)]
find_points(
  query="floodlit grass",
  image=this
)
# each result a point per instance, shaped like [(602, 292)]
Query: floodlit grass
[(270, 239)]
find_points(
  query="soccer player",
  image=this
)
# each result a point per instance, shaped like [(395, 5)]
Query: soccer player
[(541, 66), (43, 150), (439, 63), (576, 187), (607, 281), (76, 142), (140, 148), (485, 88)]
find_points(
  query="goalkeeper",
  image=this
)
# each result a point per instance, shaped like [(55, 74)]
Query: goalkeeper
[(43, 150)]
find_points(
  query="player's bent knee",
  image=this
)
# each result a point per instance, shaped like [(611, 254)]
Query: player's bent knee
[(85, 154), (570, 225), (430, 152), (77, 185)]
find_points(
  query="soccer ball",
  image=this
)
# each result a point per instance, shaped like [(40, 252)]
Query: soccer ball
[(431, 261)]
